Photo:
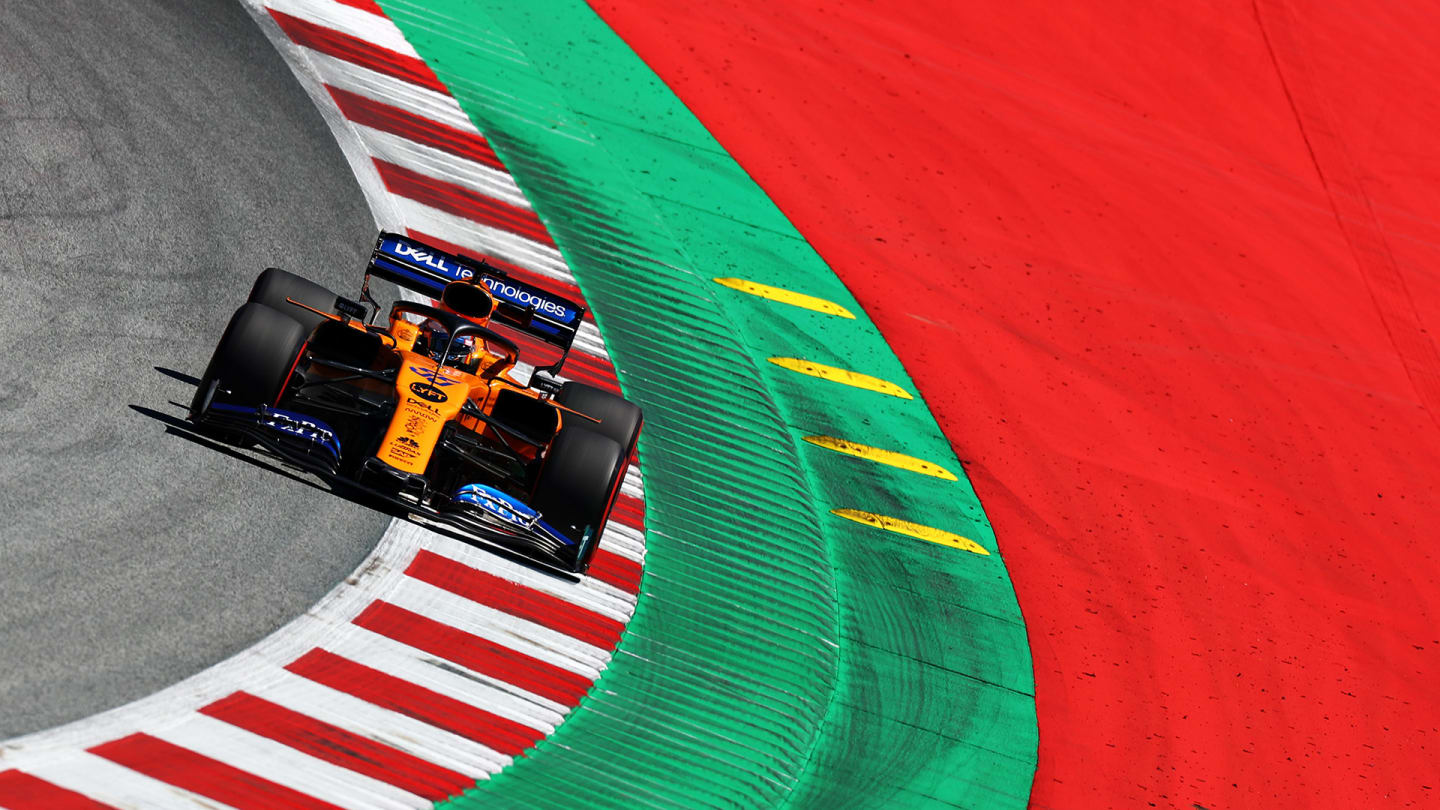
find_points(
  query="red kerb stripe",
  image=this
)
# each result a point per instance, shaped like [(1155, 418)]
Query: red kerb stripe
[(358, 51), (364, 5), (426, 705), (629, 511), (338, 746), (462, 202), (591, 370), (516, 599), (186, 769), (21, 791), (473, 652), (618, 570), (371, 113)]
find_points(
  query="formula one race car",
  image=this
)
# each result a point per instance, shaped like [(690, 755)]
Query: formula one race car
[(426, 410)]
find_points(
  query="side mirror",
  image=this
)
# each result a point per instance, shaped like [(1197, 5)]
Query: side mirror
[(352, 309)]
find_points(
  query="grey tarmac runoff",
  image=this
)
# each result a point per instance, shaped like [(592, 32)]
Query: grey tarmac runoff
[(155, 155)]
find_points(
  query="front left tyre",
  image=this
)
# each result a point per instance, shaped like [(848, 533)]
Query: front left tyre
[(253, 359)]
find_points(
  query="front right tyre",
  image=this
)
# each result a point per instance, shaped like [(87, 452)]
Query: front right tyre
[(618, 418), (274, 286), (576, 487)]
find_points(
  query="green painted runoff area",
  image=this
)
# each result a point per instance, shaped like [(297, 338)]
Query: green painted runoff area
[(780, 655)]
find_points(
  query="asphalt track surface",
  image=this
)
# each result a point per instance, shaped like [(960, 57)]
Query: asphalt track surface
[(1166, 276), (154, 156)]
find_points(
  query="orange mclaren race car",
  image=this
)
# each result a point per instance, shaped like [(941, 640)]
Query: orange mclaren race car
[(426, 409)]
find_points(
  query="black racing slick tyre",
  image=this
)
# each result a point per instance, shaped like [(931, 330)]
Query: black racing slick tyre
[(274, 286), (577, 487), (254, 358), (620, 419)]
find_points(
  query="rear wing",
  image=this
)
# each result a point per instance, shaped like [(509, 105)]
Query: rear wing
[(524, 307)]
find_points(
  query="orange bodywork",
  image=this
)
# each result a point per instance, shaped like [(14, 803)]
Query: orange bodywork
[(430, 395), (428, 399)]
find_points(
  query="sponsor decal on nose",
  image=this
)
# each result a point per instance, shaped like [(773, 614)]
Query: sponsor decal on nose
[(428, 392)]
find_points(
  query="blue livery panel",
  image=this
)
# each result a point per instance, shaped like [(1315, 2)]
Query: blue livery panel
[(290, 424), (507, 509), (425, 269)]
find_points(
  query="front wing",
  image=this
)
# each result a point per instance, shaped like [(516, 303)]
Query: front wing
[(476, 513)]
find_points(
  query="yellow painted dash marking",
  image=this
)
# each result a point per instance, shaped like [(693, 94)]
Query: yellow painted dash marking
[(840, 375), (784, 296), (880, 456), (927, 533)]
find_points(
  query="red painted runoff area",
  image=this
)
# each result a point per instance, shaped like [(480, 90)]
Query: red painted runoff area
[(1167, 275)]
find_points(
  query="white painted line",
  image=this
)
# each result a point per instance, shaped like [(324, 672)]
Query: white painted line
[(329, 616), (301, 62)]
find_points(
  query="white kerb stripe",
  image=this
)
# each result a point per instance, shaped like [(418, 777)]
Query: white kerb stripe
[(432, 162), (115, 785), (473, 236), (356, 22), (386, 89), (534, 640), (588, 340), (633, 485), (449, 679), (286, 766), (443, 748), (623, 540), (589, 593), (521, 696)]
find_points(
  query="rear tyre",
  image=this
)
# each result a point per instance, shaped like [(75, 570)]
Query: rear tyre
[(274, 285), (253, 359), (620, 419), (577, 487)]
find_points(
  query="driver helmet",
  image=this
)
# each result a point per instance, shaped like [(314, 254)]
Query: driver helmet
[(433, 340)]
